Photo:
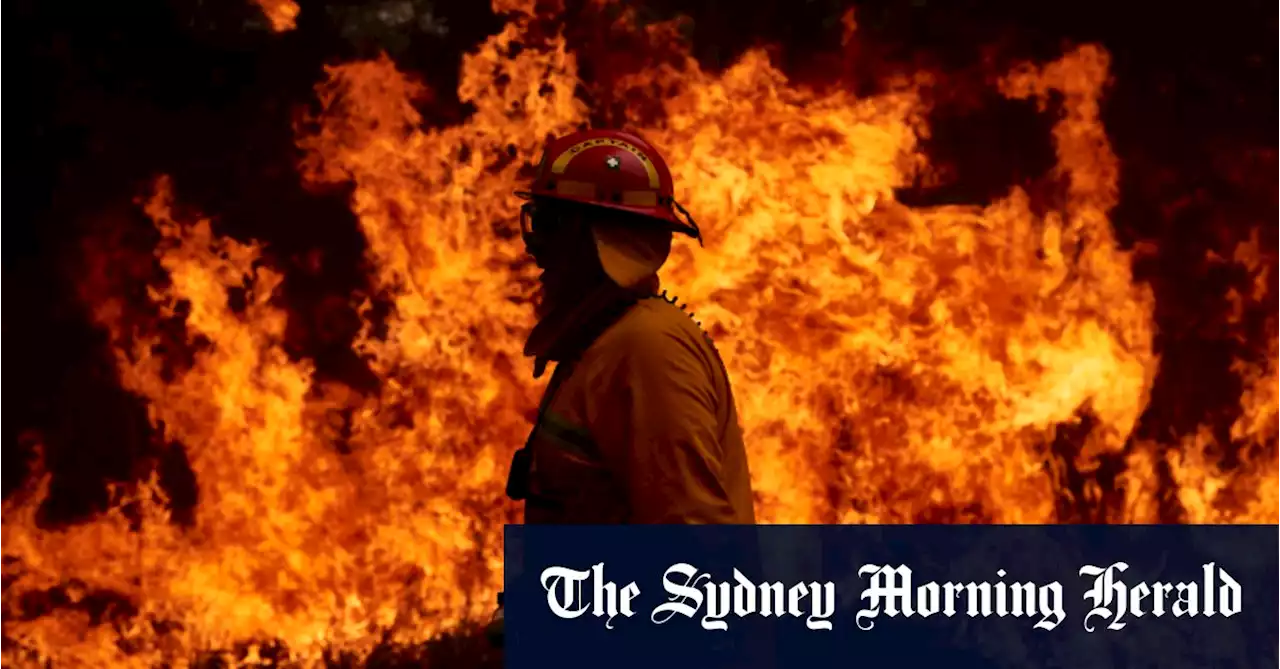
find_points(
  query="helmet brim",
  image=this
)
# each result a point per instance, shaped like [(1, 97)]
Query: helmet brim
[(661, 215)]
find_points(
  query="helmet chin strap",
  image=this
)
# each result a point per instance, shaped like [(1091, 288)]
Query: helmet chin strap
[(688, 218)]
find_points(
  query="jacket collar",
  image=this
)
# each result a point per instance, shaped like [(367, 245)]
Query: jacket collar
[(566, 331)]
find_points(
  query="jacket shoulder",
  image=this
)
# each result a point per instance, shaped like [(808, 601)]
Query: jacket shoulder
[(653, 327), (652, 319)]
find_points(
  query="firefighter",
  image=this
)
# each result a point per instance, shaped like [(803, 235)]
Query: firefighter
[(638, 423)]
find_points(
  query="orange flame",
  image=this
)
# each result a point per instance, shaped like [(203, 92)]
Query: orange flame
[(1209, 488), (891, 364), (283, 14)]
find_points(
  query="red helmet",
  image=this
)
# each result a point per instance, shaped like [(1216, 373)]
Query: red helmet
[(612, 169)]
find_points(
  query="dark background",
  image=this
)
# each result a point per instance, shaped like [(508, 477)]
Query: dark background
[(105, 96)]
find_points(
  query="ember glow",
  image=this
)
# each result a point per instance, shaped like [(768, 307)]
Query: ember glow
[(892, 364)]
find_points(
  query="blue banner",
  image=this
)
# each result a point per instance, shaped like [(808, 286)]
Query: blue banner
[(892, 596)]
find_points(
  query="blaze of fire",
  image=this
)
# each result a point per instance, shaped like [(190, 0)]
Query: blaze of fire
[(1250, 491), (891, 364), (282, 14)]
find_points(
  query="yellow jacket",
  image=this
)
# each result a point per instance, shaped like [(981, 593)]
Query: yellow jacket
[(642, 428)]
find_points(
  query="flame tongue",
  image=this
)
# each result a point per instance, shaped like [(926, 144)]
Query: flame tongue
[(891, 364)]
